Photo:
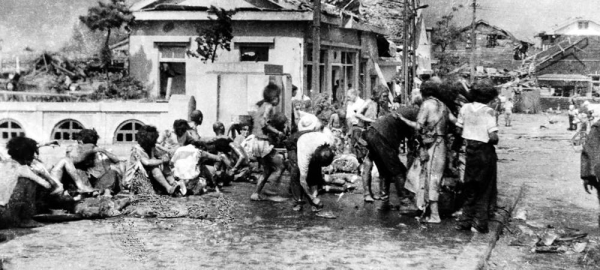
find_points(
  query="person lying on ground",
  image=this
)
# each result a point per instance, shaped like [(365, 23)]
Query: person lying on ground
[(89, 166), (147, 170), (235, 159), (18, 184)]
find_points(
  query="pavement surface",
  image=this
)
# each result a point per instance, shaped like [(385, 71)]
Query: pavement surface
[(268, 235)]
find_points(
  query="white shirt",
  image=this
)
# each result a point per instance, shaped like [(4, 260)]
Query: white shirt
[(308, 144), (477, 120), (352, 109)]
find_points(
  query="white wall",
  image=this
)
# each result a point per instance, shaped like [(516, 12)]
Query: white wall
[(38, 119)]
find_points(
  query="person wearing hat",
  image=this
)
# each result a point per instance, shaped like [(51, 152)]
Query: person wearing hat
[(308, 150)]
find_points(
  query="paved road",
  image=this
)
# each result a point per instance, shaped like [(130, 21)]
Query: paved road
[(266, 235)]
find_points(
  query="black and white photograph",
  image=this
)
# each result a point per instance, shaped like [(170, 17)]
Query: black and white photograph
[(300, 134)]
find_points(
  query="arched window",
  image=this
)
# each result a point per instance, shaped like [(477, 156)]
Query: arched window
[(9, 129), (126, 131), (66, 129)]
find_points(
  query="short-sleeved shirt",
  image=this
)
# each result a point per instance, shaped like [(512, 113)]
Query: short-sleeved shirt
[(351, 110), (477, 120), (308, 144)]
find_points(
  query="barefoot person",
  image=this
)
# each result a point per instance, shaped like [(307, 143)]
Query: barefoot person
[(234, 156), (18, 184), (94, 169), (480, 131), (263, 146), (432, 125), (147, 168)]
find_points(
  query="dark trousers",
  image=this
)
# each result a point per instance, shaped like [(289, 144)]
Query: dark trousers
[(21, 205), (480, 184)]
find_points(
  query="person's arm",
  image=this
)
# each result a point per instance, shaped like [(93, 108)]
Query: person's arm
[(494, 137), (492, 128), (421, 117), (153, 162), (360, 114), (212, 157), (113, 158), (304, 156), (25, 171), (50, 143)]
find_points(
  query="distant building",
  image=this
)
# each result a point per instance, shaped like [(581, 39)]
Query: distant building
[(270, 32), (570, 61)]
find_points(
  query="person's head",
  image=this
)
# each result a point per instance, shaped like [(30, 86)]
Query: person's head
[(147, 136), (381, 95), (483, 91), (430, 88), (22, 149), (324, 155), (351, 95), (219, 128), (294, 90), (571, 107), (271, 94), (196, 117), (278, 121), (88, 136), (180, 126)]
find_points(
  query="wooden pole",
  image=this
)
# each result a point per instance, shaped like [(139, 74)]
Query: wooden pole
[(316, 47), (405, 53), (473, 42), (413, 25)]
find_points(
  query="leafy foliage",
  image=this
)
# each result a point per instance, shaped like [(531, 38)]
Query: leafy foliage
[(446, 33), (123, 88), (217, 35), (105, 17)]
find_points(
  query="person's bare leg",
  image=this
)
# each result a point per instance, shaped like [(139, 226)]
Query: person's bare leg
[(367, 180), (160, 178), (261, 181), (67, 165), (434, 217)]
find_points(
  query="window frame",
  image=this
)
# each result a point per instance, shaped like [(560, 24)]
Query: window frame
[(133, 131), (70, 130), (9, 129), (267, 46)]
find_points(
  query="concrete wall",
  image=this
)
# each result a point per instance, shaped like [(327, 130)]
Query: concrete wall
[(39, 119), (287, 48)]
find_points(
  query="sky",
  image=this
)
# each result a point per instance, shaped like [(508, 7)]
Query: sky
[(48, 24)]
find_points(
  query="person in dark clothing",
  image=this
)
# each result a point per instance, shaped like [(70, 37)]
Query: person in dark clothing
[(383, 139), (478, 126), (590, 161)]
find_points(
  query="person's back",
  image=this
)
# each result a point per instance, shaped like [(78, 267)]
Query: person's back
[(477, 119), (393, 129)]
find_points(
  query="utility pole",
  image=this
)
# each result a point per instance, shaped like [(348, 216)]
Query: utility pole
[(413, 25), (473, 42), (405, 52), (316, 47)]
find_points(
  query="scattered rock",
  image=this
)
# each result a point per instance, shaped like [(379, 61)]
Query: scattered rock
[(579, 247), (520, 214), (548, 238)]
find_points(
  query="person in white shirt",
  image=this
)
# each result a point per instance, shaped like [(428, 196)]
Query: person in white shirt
[(480, 131), (353, 104)]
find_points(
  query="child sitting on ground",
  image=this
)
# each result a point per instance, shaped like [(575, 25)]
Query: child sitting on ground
[(235, 159)]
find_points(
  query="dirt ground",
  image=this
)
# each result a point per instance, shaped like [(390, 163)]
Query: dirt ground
[(267, 235)]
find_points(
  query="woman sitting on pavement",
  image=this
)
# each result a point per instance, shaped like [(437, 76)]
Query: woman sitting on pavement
[(235, 159), (147, 168), (18, 184)]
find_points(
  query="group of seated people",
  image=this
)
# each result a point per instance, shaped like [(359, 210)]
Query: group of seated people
[(180, 163)]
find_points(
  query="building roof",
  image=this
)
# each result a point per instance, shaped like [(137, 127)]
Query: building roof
[(253, 10), (564, 77), (496, 28)]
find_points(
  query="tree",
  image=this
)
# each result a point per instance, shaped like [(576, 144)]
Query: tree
[(445, 36), (217, 35), (106, 17), (445, 32)]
